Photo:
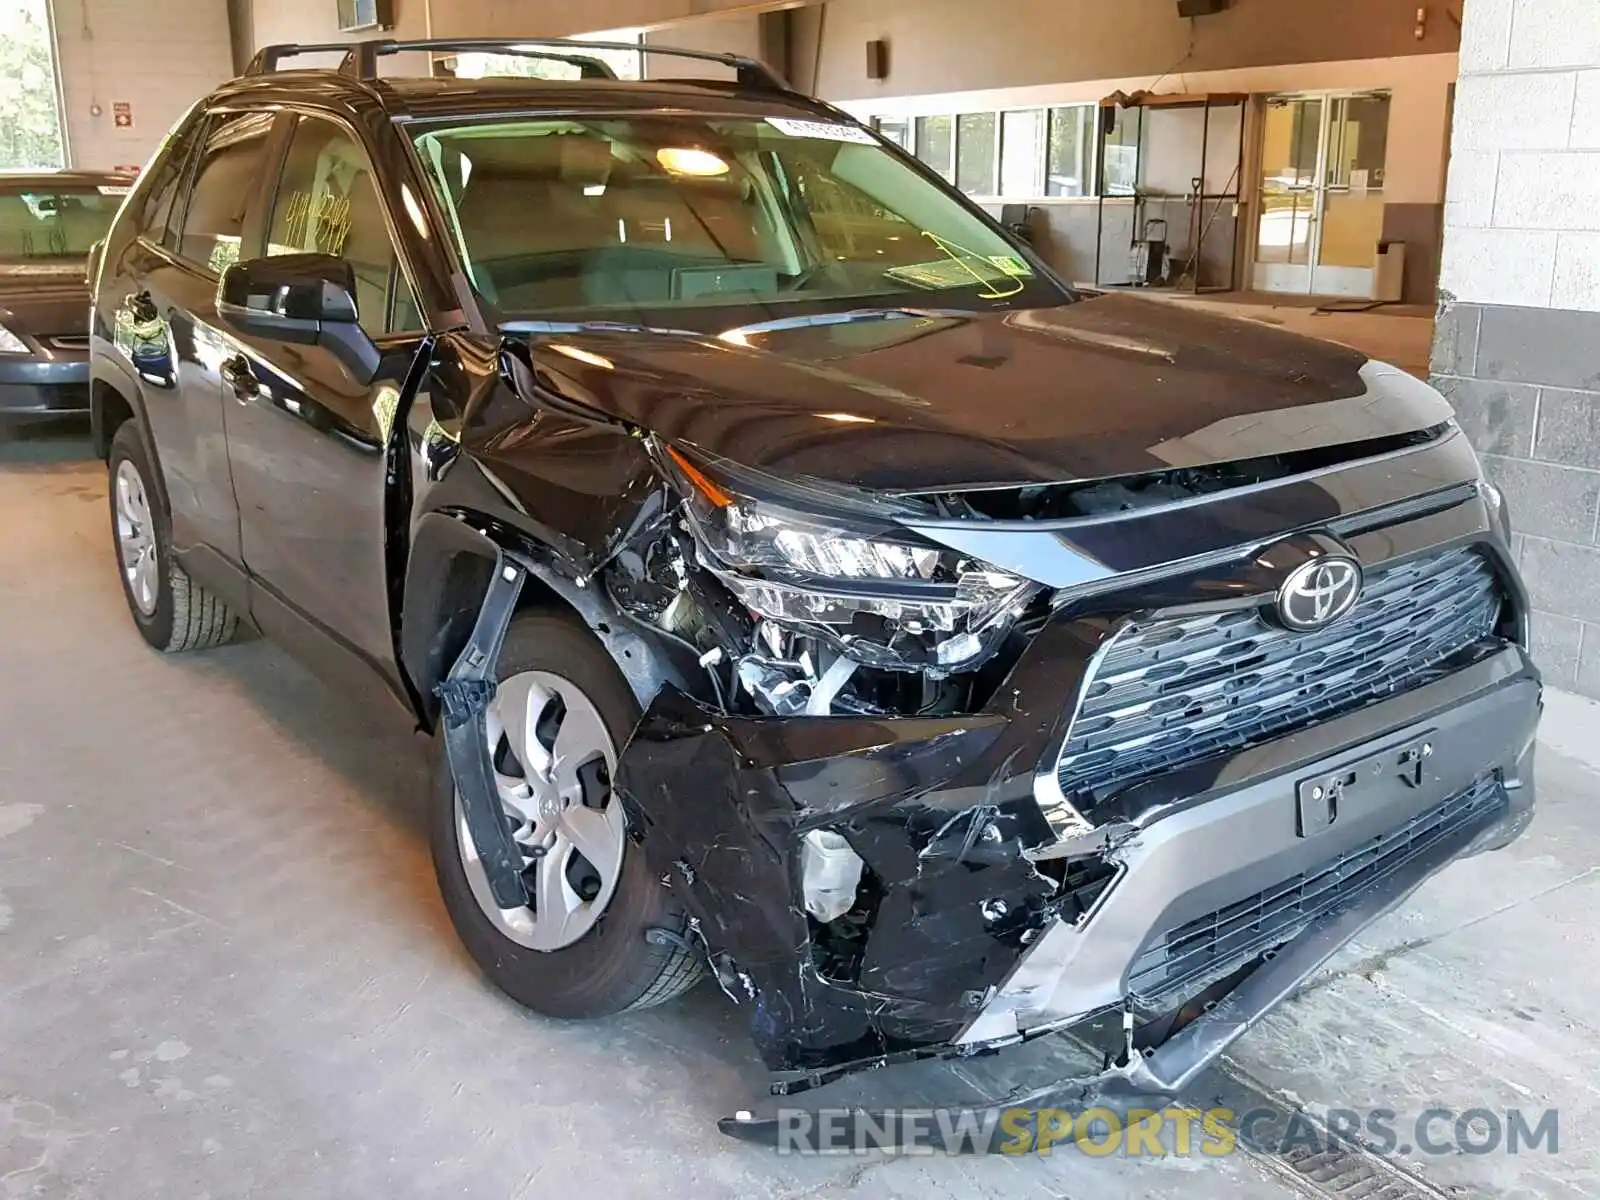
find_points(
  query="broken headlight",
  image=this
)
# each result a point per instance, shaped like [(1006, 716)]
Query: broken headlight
[(841, 567)]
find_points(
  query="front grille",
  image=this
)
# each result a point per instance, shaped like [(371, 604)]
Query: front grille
[(69, 341), (1172, 691), (1181, 962)]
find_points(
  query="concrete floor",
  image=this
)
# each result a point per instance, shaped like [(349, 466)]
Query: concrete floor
[(224, 970)]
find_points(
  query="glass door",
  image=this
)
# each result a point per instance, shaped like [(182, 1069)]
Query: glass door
[(1291, 151), (1322, 167), (1350, 221)]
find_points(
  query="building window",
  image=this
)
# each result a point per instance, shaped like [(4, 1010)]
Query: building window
[(1070, 167), (1017, 154), (895, 129), (936, 144), (625, 64), (1022, 146), (978, 153), (1124, 144), (30, 117)]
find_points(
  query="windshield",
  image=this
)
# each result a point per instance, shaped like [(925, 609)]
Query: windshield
[(54, 222), (664, 218)]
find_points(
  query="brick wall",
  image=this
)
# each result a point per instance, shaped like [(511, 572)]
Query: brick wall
[(159, 58), (1518, 346)]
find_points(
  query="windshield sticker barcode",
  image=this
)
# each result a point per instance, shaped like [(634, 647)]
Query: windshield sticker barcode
[(825, 130)]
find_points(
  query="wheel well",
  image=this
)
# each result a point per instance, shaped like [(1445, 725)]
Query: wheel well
[(430, 651), (108, 409), (537, 594)]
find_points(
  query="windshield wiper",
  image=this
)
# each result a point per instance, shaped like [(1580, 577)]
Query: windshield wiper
[(840, 318), (593, 327)]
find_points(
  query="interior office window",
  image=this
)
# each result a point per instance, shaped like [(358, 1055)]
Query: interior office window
[(896, 129), (226, 183), (1022, 138), (936, 144), (1069, 168), (326, 203), (977, 153)]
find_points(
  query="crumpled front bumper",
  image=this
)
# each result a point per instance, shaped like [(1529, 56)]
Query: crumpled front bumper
[(968, 940)]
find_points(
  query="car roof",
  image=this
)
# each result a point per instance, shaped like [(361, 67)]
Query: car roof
[(426, 98), (54, 178)]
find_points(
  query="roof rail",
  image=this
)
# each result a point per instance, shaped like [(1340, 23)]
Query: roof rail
[(267, 58), (361, 58)]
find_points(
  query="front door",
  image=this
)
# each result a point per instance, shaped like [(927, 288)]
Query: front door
[(308, 441), (167, 325), (1322, 194)]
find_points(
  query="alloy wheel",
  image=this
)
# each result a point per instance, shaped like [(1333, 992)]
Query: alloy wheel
[(136, 538)]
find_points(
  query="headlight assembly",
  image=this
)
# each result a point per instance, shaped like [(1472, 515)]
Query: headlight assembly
[(846, 571), (10, 343)]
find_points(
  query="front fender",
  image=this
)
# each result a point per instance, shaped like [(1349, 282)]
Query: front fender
[(453, 557)]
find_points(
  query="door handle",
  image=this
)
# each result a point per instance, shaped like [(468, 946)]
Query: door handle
[(237, 374)]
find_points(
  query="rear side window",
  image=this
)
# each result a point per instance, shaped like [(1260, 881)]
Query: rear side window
[(226, 185)]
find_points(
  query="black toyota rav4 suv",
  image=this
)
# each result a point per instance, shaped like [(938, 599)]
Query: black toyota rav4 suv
[(802, 584)]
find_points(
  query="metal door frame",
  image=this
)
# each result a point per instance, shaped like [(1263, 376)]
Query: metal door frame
[(1356, 282)]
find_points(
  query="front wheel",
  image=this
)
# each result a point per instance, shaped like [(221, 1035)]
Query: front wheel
[(579, 949)]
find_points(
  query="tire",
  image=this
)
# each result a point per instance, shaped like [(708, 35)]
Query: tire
[(612, 967), (176, 613)]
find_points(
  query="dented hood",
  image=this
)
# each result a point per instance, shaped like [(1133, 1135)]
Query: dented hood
[(894, 400)]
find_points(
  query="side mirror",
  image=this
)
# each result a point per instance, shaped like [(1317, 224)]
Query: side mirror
[(308, 299)]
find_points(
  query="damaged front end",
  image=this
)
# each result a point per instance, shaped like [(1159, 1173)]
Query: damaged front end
[(957, 780)]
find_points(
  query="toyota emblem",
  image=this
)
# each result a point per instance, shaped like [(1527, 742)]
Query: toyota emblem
[(1319, 592)]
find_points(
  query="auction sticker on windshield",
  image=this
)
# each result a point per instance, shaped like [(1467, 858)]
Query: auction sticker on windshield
[(826, 130)]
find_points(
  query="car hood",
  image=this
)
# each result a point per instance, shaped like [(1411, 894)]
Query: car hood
[(44, 298), (906, 401)]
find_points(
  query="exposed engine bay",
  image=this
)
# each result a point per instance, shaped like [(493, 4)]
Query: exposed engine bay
[(791, 613)]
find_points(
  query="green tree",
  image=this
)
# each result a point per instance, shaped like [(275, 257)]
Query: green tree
[(30, 118)]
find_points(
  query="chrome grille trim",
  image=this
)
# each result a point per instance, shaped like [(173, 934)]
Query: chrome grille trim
[(1169, 691)]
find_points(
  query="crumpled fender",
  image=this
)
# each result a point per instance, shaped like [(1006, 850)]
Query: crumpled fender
[(722, 805)]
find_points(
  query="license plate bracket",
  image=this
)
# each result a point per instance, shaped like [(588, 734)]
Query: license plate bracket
[(1323, 798)]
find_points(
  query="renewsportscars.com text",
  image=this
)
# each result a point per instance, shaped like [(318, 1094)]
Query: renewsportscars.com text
[(1174, 1131)]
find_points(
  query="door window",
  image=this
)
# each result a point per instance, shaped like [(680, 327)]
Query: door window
[(226, 186), (1291, 145), (1358, 153), (327, 203)]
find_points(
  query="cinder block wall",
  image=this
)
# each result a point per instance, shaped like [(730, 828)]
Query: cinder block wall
[(1518, 345)]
